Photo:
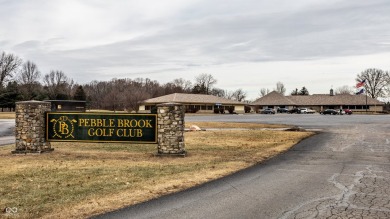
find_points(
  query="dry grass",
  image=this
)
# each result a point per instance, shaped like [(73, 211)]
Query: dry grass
[(7, 115), (78, 180), (233, 125)]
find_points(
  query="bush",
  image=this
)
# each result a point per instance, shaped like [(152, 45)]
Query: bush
[(192, 110), (231, 110), (247, 109)]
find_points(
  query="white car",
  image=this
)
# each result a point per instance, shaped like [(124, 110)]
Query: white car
[(310, 111), (303, 110)]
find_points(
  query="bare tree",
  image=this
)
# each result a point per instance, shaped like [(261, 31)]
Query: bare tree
[(9, 63), (29, 73), (134, 97), (95, 92), (28, 80), (205, 82), (376, 82), (344, 90), (177, 86), (58, 85), (264, 92), (115, 98), (219, 92), (185, 85), (280, 88), (238, 95)]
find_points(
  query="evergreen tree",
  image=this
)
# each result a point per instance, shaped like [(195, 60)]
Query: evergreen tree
[(199, 89), (303, 91), (9, 96), (79, 94), (295, 92)]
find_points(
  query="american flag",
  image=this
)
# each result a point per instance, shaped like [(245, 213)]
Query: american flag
[(360, 83)]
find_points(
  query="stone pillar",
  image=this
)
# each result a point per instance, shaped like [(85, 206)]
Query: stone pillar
[(170, 124), (30, 127)]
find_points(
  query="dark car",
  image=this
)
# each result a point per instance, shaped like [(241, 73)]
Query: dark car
[(268, 111), (282, 110), (294, 110), (330, 112), (348, 111)]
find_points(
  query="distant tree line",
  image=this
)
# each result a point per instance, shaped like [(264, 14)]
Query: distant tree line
[(20, 81)]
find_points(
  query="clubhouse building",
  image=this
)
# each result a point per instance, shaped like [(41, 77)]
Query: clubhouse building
[(319, 102), (195, 103), (208, 103)]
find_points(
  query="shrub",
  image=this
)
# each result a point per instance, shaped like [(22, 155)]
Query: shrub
[(247, 109), (231, 110)]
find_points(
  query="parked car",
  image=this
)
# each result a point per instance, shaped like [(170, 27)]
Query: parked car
[(282, 110), (310, 111), (348, 111), (330, 112), (303, 110), (294, 110), (268, 111)]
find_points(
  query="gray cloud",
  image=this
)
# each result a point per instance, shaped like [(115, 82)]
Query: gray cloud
[(313, 33), (205, 33)]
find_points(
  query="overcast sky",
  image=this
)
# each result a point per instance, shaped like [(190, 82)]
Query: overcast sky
[(248, 44)]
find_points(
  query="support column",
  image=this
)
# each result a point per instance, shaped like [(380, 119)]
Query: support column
[(30, 127), (170, 122)]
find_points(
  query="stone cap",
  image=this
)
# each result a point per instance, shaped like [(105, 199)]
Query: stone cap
[(32, 102)]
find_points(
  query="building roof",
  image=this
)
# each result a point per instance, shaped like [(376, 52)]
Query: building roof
[(191, 99), (275, 98)]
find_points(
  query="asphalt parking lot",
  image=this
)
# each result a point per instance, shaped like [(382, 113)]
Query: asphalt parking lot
[(7, 128)]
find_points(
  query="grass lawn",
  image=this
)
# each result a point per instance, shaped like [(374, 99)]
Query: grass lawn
[(78, 180), (7, 115)]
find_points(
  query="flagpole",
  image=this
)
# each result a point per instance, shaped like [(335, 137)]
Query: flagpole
[(361, 83)]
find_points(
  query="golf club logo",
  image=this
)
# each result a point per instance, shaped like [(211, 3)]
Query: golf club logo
[(63, 127)]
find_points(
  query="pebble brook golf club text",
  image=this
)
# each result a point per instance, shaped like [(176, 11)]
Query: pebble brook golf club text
[(111, 127)]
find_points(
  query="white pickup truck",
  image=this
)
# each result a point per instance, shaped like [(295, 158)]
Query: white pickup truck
[(307, 111)]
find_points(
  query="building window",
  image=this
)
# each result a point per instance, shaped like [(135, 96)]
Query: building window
[(209, 107), (192, 108)]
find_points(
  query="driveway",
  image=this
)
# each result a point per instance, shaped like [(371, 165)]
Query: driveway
[(7, 128)]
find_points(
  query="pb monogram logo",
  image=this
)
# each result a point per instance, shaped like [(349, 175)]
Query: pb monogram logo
[(63, 127)]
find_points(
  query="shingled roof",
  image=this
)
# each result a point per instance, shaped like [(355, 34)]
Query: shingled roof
[(275, 98), (191, 99)]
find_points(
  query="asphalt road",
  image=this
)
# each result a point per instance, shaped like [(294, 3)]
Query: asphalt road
[(7, 127), (343, 172)]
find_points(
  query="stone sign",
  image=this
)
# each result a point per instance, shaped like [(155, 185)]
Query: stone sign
[(36, 127)]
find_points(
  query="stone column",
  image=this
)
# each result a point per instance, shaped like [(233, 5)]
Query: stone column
[(30, 127), (170, 124)]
